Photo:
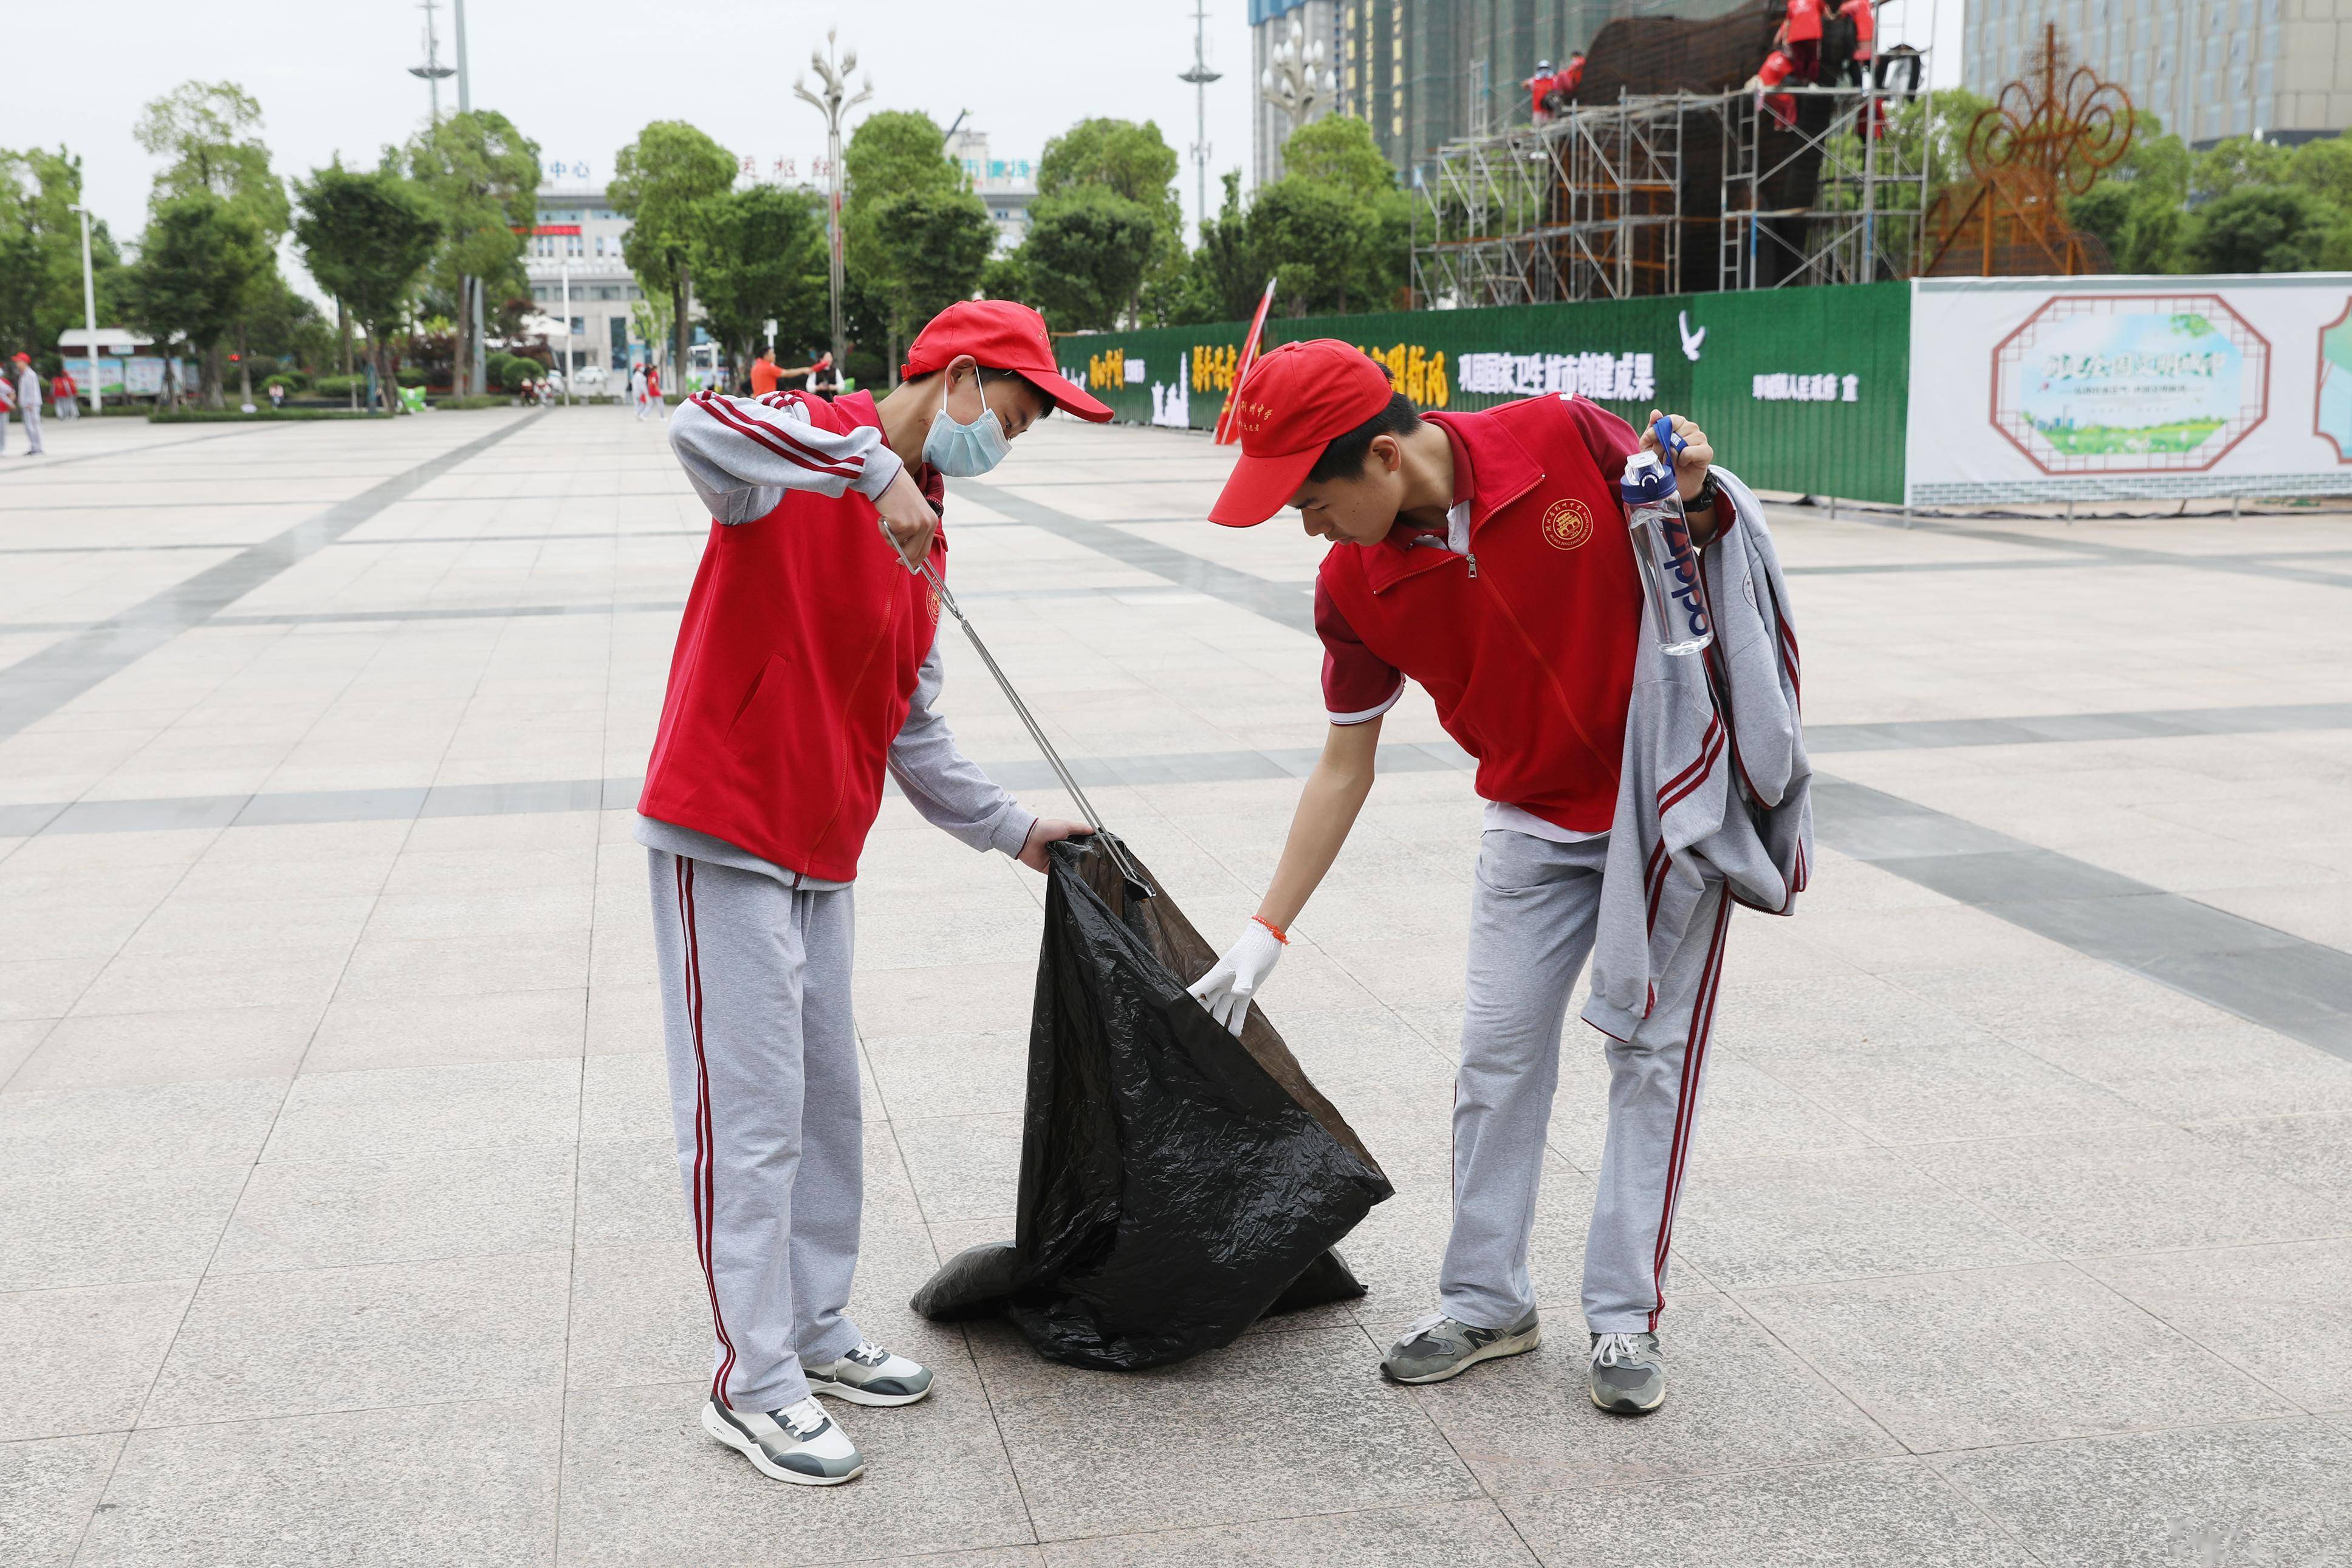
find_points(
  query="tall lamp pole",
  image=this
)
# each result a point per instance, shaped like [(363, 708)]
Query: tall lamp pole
[(89, 314), (1201, 76), (478, 377), (833, 104)]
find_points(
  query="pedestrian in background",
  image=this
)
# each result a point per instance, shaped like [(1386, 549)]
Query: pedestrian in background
[(65, 395), (29, 403), (637, 388)]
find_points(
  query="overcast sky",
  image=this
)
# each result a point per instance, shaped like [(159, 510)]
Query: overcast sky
[(580, 77)]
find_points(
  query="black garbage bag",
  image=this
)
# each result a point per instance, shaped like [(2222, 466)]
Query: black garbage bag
[(1176, 1183)]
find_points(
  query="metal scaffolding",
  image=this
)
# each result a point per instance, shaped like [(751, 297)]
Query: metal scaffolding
[(1861, 197), (1587, 206), (1600, 202)]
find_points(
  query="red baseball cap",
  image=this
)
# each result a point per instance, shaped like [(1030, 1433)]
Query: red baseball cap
[(1003, 335), (1294, 400)]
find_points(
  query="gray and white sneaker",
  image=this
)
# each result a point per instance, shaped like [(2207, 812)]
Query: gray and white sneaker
[(871, 1376), (1437, 1347), (1629, 1372), (800, 1444)]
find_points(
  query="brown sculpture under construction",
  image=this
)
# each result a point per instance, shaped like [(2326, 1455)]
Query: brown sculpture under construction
[(2046, 138)]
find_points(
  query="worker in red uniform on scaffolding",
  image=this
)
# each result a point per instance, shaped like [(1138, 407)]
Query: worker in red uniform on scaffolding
[(1865, 39), (1802, 32), (1775, 70)]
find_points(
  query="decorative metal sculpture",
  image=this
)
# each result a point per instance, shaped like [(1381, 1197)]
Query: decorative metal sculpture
[(2047, 138)]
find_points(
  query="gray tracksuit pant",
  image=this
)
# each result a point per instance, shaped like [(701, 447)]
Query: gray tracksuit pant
[(1532, 921), (755, 980)]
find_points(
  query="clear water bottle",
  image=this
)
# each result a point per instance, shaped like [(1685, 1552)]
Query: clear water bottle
[(1668, 558)]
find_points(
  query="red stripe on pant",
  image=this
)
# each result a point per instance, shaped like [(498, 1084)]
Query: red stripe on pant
[(705, 1153), (1702, 1025)]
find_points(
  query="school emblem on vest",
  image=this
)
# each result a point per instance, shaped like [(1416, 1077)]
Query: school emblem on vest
[(1567, 525), (935, 606)]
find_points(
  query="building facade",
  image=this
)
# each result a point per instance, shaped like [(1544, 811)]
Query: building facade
[(1009, 185), (2207, 68), (1426, 72), (578, 234)]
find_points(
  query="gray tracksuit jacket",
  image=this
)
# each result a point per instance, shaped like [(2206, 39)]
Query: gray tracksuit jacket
[(1705, 793)]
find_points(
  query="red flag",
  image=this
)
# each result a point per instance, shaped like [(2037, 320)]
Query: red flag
[(1225, 433)]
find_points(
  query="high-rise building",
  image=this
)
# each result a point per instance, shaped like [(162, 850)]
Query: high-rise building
[(1425, 72), (2207, 68)]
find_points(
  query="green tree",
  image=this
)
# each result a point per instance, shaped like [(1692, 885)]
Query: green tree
[(1085, 256), (903, 193), (1134, 164), (933, 245), (1340, 151), (1324, 248), (366, 237), (1226, 275), (206, 132), (198, 262), (759, 255), (2236, 163), (2268, 228), (202, 129), (40, 251), (2139, 209), (659, 181), (482, 177)]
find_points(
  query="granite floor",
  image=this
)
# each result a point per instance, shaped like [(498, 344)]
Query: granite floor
[(339, 1222)]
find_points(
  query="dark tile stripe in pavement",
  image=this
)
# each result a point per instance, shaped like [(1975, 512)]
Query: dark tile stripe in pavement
[(2299, 989), (44, 682), (1173, 768)]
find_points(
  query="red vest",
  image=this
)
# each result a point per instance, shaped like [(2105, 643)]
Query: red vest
[(801, 643), (1526, 645)]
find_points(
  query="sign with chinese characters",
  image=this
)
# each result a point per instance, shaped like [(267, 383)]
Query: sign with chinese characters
[(2108, 386), (1415, 371), (558, 169), (778, 170), (1623, 378), (2130, 383), (1828, 386)]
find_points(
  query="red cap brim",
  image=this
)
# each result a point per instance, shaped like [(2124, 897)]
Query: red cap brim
[(1260, 487), (1067, 397)]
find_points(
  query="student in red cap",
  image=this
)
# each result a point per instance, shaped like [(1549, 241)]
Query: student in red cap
[(1486, 556), (807, 666)]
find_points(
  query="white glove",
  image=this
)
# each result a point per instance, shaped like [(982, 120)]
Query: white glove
[(1226, 989)]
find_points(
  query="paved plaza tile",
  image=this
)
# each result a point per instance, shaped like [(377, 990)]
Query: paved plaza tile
[(339, 1214)]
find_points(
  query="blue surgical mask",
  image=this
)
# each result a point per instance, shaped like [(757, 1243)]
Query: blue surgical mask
[(966, 451)]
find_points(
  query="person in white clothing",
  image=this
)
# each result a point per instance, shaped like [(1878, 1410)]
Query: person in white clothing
[(29, 403)]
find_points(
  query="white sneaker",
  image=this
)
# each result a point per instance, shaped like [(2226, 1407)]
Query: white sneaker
[(871, 1376), (800, 1444)]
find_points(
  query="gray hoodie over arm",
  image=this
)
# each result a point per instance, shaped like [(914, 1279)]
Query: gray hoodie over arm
[(1706, 794)]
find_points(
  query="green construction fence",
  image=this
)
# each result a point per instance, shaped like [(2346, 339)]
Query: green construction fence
[(1801, 390)]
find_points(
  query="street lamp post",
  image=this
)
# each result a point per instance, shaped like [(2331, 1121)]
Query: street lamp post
[(478, 374), (89, 314), (833, 104), (567, 331), (1295, 80)]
